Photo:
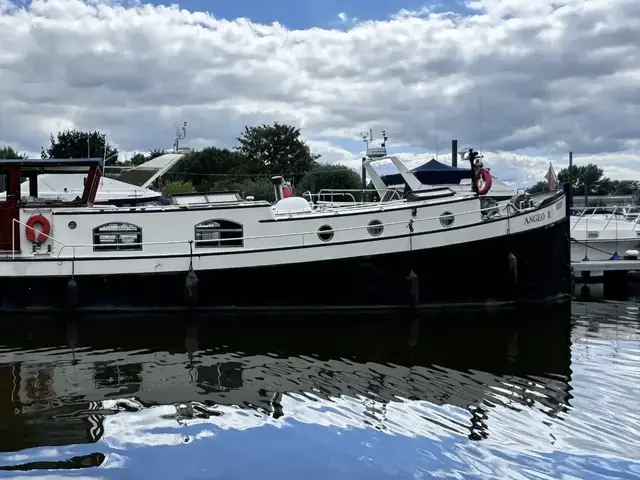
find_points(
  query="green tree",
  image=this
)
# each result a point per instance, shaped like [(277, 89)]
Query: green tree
[(276, 149), (8, 153), (625, 187), (330, 176), (589, 174), (137, 159), (539, 187), (177, 187), (155, 153), (77, 144), (207, 167)]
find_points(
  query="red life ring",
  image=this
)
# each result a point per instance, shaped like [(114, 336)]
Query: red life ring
[(484, 175), (30, 233)]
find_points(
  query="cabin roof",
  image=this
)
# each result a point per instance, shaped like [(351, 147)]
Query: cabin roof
[(54, 165)]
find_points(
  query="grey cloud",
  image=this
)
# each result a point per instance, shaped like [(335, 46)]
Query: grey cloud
[(545, 76)]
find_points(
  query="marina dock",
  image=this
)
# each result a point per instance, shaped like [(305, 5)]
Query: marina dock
[(612, 274)]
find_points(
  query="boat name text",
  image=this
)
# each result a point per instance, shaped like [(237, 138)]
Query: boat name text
[(536, 218)]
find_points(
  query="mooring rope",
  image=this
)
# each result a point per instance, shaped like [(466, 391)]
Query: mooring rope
[(592, 247)]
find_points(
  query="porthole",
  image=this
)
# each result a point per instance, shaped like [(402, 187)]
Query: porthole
[(447, 219), (375, 228), (325, 233), (72, 225)]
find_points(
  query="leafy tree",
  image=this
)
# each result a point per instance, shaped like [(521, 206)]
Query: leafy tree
[(8, 153), (625, 187), (589, 174), (539, 187), (137, 159), (209, 166), (177, 187), (154, 154), (331, 176), (276, 149), (77, 144)]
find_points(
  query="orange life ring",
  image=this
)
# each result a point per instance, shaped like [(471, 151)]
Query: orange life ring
[(30, 233), (484, 175)]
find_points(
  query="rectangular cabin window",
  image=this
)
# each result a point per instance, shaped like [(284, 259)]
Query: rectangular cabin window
[(115, 236), (218, 233)]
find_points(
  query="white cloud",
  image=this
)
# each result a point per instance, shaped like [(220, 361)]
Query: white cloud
[(550, 75)]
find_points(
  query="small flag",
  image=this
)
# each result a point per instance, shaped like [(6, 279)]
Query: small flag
[(287, 191), (552, 180)]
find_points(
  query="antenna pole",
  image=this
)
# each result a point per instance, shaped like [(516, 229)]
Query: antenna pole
[(481, 133), (435, 129), (181, 132)]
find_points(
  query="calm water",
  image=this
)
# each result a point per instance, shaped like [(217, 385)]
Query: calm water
[(545, 393)]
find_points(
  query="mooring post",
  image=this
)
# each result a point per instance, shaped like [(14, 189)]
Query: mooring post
[(566, 187), (615, 284)]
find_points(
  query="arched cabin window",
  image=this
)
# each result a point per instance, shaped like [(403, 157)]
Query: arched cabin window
[(218, 233), (117, 236)]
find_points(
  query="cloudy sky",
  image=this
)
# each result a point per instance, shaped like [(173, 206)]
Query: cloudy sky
[(524, 80)]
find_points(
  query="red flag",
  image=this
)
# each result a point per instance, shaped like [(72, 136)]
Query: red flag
[(286, 191), (551, 178)]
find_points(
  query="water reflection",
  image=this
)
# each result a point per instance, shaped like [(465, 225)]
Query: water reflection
[(68, 383)]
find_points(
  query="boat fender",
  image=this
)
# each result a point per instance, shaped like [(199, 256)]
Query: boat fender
[(513, 269), (42, 235), (72, 293), (484, 175), (191, 288), (414, 288)]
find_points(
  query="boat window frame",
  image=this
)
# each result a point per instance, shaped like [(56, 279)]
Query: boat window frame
[(325, 230), (445, 217), (118, 246), (375, 227), (225, 226)]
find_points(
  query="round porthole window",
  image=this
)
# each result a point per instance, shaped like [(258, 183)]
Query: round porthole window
[(72, 225), (447, 219), (375, 228), (325, 233)]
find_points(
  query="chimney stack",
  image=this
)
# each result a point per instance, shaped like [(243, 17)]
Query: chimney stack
[(454, 153)]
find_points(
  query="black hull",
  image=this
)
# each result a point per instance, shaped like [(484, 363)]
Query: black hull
[(473, 273)]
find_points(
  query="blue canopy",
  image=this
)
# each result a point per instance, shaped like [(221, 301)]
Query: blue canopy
[(432, 173)]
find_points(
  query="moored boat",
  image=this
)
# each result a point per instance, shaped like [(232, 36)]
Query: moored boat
[(435, 245)]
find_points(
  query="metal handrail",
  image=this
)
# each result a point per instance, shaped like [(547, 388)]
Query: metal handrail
[(280, 235), (614, 213), (350, 192)]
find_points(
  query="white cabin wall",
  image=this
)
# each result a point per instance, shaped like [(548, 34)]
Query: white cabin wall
[(166, 224), (169, 225)]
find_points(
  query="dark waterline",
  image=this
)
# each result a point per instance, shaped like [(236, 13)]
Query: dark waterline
[(538, 393)]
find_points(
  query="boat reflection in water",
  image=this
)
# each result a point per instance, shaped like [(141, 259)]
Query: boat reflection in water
[(120, 383)]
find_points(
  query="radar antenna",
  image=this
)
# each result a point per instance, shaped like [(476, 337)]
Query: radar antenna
[(365, 138), (181, 132)]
